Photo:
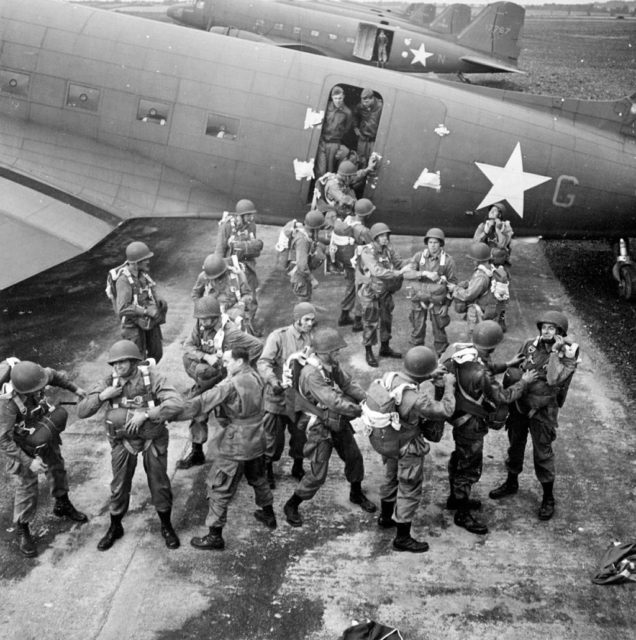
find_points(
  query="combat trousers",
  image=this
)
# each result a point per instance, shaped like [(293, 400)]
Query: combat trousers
[(350, 300), (364, 150), (326, 157), (301, 286), (26, 484), (274, 425), (223, 482), (124, 463), (252, 278), (542, 427), (149, 342), (377, 316), (418, 317), (320, 444), (403, 478), (465, 463)]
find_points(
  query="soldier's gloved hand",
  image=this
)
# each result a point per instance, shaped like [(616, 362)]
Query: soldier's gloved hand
[(37, 466), (530, 376), (135, 422), (516, 361), (109, 393)]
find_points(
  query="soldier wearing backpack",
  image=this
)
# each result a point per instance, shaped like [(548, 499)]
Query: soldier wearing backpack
[(140, 403), (554, 360), (478, 396), (333, 398), (306, 255), (140, 309), (421, 414), (30, 442)]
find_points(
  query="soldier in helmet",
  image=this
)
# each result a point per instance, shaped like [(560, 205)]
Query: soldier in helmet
[(141, 310), (229, 286), (139, 404), (236, 239), (475, 294), (239, 446), (495, 232), (381, 271), (212, 334), (554, 359), (333, 398), (339, 188), (307, 255), (348, 237), (417, 388), (280, 413), (477, 397), (30, 442), (428, 273), (336, 124)]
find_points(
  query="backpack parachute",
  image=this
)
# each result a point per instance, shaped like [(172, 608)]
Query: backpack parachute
[(111, 286)]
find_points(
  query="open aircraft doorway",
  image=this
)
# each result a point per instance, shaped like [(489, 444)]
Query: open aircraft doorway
[(373, 43)]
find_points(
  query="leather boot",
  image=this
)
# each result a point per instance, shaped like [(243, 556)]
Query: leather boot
[(211, 540), (64, 509), (464, 518), (404, 542), (270, 474), (297, 470), (357, 324), (115, 531), (546, 511), (194, 458), (371, 361), (357, 497), (386, 520), (167, 532), (508, 488), (387, 352), (25, 540), (290, 509), (267, 517), (454, 503), (344, 319)]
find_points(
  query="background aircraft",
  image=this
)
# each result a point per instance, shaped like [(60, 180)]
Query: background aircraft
[(451, 44), (110, 117)]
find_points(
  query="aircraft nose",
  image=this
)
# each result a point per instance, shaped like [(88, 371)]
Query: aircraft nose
[(175, 13)]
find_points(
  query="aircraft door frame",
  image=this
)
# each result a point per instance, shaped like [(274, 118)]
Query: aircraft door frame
[(366, 46)]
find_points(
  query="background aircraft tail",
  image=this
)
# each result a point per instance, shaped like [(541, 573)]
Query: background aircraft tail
[(452, 20), (496, 30)]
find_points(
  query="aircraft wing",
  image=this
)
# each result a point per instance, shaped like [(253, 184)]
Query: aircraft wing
[(492, 64)]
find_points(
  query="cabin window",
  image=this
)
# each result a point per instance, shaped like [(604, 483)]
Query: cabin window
[(222, 127), (333, 36), (199, 4), (278, 26), (82, 97), (297, 31), (153, 112), (17, 84), (314, 33)]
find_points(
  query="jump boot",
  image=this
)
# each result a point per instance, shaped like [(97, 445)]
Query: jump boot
[(371, 359), (546, 511), (453, 503), (25, 540), (357, 324), (464, 518), (290, 509), (344, 319), (194, 458), (357, 497), (211, 540), (508, 488), (167, 532), (404, 542), (386, 520), (387, 352), (297, 470), (115, 531), (266, 516), (64, 509)]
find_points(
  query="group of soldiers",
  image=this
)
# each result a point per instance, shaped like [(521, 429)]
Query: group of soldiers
[(247, 393)]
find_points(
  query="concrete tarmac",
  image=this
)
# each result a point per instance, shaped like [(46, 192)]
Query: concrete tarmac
[(524, 580)]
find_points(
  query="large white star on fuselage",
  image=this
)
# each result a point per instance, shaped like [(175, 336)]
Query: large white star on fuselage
[(420, 55), (509, 182)]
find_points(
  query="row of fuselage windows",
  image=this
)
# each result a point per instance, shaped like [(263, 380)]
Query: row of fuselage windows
[(297, 31), (87, 99)]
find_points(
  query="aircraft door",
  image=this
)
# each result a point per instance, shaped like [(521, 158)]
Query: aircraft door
[(372, 44)]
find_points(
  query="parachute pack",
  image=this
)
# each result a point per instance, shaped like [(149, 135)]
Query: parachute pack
[(111, 286), (618, 564)]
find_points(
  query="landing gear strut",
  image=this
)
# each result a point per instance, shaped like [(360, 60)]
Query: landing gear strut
[(624, 271)]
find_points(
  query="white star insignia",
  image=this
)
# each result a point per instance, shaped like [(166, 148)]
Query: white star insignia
[(420, 55), (509, 182)]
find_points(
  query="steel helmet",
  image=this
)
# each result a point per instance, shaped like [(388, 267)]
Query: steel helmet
[(420, 362), (363, 207), (314, 219), (214, 266), (436, 234), (487, 334), (347, 168), (28, 377), (556, 318), (138, 251), (479, 251), (327, 339), (207, 307), (244, 207), (124, 350), (378, 229)]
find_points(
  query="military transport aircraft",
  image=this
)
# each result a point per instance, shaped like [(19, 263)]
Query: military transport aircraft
[(106, 117), (451, 44)]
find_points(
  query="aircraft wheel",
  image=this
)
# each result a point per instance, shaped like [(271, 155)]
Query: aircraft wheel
[(627, 281)]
